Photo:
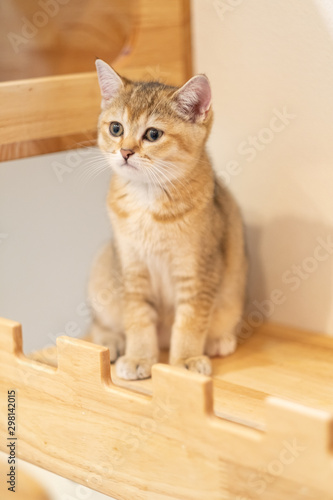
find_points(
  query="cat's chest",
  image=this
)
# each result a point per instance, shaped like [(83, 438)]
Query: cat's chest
[(162, 285), (146, 235), (144, 222), (153, 243)]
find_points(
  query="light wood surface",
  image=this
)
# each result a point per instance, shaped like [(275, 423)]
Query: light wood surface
[(261, 427), (41, 109), (55, 37)]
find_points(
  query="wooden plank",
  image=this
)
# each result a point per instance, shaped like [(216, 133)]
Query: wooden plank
[(52, 37), (278, 361), (36, 147), (296, 367), (74, 421), (47, 107), (68, 105)]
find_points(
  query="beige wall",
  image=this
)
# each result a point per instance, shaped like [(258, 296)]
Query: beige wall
[(270, 63)]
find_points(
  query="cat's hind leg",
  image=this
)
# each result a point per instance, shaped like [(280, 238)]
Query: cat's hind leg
[(105, 297), (114, 341), (222, 336)]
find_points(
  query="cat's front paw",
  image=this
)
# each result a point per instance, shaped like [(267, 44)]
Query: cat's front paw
[(132, 368), (198, 364)]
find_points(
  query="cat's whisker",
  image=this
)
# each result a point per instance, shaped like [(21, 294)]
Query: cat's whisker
[(96, 174), (82, 175), (154, 174), (93, 176), (173, 165), (173, 180), (91, 165), (92, 160), (171, 173), (164, 186), (82, 151), (173, 169), (149, 168), (157, 169), (168, 165), (163, 175), (92, 169), (152, 182), (88, 143), (154, 178)]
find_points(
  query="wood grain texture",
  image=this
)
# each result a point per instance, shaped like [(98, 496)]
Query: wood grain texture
[(261, 427), (25, 149), (40, 109), (56, 37)]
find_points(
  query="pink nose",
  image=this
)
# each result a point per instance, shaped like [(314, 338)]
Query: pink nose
[(126, 153)]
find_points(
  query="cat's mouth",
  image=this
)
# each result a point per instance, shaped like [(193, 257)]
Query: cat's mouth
[(126, 163)]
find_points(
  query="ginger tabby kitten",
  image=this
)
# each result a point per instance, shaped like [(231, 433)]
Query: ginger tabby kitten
[(174, 273)]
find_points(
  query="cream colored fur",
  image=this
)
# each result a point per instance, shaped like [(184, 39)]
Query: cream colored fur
[(175, 271)]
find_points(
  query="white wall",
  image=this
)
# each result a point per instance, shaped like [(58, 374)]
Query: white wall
[(263, 57), (52, 220)]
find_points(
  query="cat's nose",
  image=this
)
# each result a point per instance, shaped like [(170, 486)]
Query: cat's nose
[(126, 153)]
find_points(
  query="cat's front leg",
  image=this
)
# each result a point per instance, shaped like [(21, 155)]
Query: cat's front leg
[(192, 320), (139, 319)]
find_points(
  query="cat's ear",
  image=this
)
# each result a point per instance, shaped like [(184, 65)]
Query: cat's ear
[(109, 81), (193, 99)]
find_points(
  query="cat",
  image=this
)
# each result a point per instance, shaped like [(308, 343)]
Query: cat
[(175, 271)]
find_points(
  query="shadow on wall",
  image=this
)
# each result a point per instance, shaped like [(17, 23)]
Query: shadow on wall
[(299, 284), (274, 56)]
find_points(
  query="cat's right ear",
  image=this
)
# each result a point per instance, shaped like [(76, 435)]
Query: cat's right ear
[(193, 99), (109, 81)]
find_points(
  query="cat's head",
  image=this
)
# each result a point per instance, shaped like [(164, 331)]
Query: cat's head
[(151, 132)]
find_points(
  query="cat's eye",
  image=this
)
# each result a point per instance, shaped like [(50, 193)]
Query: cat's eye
[(116, 129), (153, 134)]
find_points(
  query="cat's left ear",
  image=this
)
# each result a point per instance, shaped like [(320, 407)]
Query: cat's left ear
[(109, 81), (194, 99)]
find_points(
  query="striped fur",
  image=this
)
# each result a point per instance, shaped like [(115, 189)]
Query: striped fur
[(175, 270)]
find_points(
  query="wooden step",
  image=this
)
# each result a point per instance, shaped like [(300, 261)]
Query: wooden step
[(277, 361), (260, 428)]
